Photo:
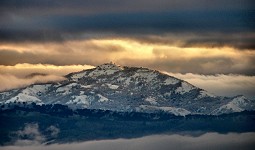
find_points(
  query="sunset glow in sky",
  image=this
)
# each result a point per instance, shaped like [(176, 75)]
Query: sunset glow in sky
[(202, 39)]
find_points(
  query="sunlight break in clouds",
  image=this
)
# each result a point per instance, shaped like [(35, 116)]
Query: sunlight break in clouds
[(127, 51)]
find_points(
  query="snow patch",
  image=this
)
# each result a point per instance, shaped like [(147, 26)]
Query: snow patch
[(173, 110), (151, 100), (79, 100), (127, 82), (30, 94), (168, 94), (98, 72), (145, 74), (21, 97), (34, 90), (184, 88), (203, 94), (170, 81), (66, 89), (87, 86), (113, 87), (102, 98), (236, 105)]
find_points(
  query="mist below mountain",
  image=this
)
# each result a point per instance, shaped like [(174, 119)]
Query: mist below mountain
[(211, 140)]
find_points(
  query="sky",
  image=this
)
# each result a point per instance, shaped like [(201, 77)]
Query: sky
[(211, 44)]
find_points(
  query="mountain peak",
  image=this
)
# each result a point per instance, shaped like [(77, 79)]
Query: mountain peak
[(110, 65), (126, 89)]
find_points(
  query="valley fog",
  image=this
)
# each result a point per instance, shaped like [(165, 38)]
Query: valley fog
[(211, 140)]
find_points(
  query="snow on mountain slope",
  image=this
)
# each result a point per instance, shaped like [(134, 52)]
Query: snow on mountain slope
[(24, 98), (30, 94), (81, 100), (171, 81), (36, 90), (237, 104), (117, 88), (151, 100), (102, 98), (184, 88), (173, 110), (203, 94)]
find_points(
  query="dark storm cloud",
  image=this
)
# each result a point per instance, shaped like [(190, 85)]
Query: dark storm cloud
[(99, 6), (42, 21), (237, 41)]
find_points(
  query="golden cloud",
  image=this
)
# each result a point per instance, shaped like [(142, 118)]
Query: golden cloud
[(127, 51)]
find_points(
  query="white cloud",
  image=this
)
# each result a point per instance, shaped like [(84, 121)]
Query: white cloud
[(30, 135), (54, 131)]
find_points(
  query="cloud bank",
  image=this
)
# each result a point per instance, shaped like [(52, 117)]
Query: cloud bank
[(48, 21), (124, 51), (25, 69), (31, 135), (22, 75), (12, 82), (233, 141), (222, 85)]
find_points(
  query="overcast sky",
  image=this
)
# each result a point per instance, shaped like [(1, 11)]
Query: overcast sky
[(200, 37)]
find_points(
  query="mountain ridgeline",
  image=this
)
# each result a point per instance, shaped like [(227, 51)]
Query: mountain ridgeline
[(126, 89)]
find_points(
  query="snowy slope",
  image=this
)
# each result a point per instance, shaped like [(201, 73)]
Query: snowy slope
[(237, 104), (113, 87)]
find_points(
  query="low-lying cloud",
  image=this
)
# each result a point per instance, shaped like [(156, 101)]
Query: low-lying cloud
[(30, 135), (54, 131), (11, 82), (222, 85), (23, 70), (22, 75), (233, 141)]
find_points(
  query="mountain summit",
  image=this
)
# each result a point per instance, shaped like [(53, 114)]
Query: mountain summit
[(127, 89)]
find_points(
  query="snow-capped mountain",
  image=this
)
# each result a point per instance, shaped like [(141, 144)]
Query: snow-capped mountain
[(117, 88)]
